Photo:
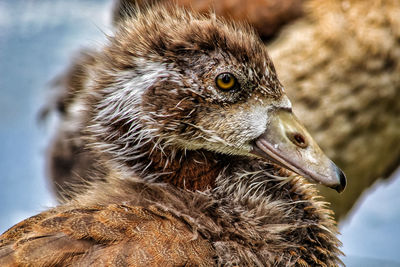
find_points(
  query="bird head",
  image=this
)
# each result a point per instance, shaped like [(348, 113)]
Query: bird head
[(190, 82)]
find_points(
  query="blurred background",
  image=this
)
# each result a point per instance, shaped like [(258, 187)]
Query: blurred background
[(38, 40)]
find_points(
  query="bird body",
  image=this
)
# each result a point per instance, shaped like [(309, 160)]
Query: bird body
[(200, 157), (134, 223)]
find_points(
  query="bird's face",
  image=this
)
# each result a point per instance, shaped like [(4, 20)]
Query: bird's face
[(205, 85), (215, 102)]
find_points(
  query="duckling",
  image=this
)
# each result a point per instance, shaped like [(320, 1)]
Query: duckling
[(69, 163), (203, 161), (347, 59)]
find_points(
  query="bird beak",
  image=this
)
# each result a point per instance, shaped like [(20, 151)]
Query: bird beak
[(287, 143)]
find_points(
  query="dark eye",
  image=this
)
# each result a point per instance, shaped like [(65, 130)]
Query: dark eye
[(226, 81)]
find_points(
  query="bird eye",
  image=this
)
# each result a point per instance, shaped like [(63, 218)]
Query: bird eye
[(226, 81)]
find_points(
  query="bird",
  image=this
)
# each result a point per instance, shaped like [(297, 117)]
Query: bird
[(350, 60), (202, 160), (350, 89), (69, 163)]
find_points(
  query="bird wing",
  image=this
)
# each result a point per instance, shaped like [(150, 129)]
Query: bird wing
[(104, 235)]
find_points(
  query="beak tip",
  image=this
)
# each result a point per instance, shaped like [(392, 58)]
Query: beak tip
[(341, 179)]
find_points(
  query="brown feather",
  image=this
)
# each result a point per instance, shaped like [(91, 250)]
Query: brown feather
[(134, 223)]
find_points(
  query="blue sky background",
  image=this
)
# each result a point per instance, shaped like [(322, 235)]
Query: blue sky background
[(37, 41)]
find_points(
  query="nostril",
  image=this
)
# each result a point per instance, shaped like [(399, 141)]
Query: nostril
[(298, 139)]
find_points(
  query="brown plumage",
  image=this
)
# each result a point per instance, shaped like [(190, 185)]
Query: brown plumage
[(193, 134), (108, 233), (134, 223)]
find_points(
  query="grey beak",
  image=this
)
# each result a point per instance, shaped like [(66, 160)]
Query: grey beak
[(287, 143)]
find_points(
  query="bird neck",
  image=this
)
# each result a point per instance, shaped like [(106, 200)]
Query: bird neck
[(191, 170), (276, 207), (199, 170), (185, 169)]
